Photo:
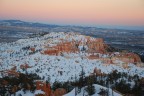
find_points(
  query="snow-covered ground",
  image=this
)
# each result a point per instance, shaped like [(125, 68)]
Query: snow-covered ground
[(27, 93), (58, 68), (73, 92), (97, 91)]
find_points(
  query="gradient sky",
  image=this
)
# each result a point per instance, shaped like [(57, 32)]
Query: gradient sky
[(82, 12)]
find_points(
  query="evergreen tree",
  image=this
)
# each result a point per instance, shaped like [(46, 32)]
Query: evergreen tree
[(81, 80), (56, 85), (90, 88), (103, 92)]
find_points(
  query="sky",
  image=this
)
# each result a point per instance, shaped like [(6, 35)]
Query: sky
[(75, 12)]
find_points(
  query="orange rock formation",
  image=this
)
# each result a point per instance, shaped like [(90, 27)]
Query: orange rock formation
[(59, 92), (129, 58), (95, 45), (62, 47), (11, 73), (40, 85), (44, 87), (93, 57), (25, 66), (32, 49), (98, 72)]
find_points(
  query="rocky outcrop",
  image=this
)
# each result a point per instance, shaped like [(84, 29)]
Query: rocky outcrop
[(60, 48), (10, 73), (40, 85), (59, 92), (128, 57), (93, 45), (51, 52), (93, 56), (25, 66), (98, 72), (32, 49), (96, 45), (136, 58)]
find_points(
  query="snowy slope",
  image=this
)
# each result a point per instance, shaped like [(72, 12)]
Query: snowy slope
[(72, 93), (60, 68), (97, 90), (28, 93)]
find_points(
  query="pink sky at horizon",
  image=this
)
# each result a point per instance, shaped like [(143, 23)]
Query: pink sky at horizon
[(82, 12)]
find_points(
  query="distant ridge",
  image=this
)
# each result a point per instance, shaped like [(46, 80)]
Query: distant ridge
[(37, 24), (24, 24)]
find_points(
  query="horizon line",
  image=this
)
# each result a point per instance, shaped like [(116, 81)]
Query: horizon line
[(120, 27)]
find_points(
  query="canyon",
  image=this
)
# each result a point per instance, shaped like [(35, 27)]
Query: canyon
[(62, 56)]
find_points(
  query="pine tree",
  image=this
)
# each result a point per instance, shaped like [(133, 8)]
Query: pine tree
[(103, 92), (90, 88), (81, 80)]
